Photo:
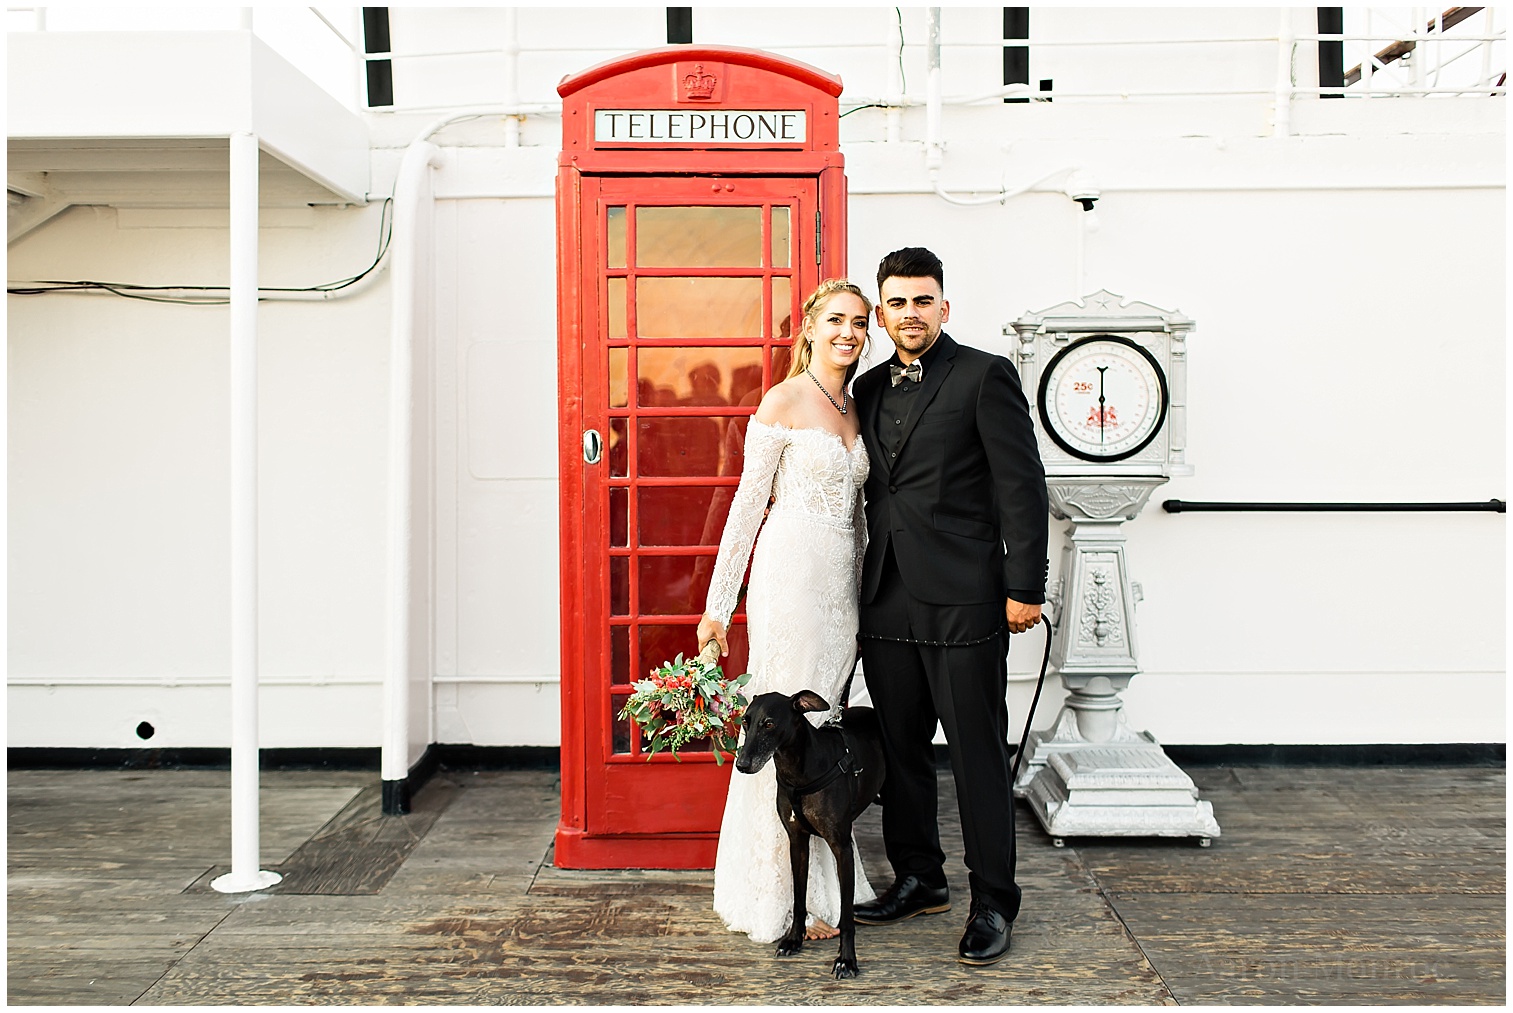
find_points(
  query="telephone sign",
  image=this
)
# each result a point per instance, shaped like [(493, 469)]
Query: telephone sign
[(700, 126)]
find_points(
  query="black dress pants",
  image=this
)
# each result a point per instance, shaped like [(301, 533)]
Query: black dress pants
[(912, 686)]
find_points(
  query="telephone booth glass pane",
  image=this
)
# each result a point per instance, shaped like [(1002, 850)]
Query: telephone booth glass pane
[(701, 377), (619, 586), (698, 237), (620, 729), (615, 307), (619, 652), (619, 448), (618, 381), (675, 515), (674, 585), (619, 518), (615, 233), (679, 446), (703, 307), (781, 257), (782, 308)]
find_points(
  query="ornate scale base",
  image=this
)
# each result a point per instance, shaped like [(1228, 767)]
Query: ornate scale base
[(1089, 774), (1124, 788)]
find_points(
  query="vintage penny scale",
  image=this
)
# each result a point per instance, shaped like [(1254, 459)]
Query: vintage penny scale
[(1107, 383)]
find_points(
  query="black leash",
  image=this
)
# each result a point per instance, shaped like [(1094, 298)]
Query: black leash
[(1039, 685)]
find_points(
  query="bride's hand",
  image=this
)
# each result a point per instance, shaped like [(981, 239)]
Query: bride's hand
[(711, 630)]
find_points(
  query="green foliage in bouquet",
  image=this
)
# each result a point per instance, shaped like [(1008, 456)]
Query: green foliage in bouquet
[(685, 701)]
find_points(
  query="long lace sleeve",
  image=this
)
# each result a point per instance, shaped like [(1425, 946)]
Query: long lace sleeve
[(764, 448), (859, 529)]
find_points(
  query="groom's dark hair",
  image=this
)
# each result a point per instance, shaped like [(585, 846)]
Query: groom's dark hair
[(911, 262)]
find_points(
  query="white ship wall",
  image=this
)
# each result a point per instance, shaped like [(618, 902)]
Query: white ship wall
[(1347, 284)]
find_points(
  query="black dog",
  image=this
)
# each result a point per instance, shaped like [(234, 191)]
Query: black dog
[(826, 776)]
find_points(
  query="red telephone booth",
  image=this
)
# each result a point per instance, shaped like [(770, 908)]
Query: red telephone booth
[(700, 196)]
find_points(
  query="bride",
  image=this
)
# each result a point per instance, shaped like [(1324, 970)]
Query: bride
[(803, 451)]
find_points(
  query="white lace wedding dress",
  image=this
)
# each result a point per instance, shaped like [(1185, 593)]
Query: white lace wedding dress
[(801, 607)]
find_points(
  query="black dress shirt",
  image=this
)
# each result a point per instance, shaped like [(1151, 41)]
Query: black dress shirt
[(898, 402)]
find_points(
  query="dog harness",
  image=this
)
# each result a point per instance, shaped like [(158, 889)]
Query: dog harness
[(796, 792)]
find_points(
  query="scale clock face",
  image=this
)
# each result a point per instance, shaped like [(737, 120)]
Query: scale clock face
[(1103, 398)]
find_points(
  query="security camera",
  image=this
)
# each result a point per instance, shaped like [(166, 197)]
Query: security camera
[(1080, 188)]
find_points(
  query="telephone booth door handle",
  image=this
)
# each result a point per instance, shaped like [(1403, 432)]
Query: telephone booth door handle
[(593, 446)]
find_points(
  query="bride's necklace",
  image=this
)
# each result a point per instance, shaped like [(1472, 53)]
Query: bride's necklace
[(840, 406)]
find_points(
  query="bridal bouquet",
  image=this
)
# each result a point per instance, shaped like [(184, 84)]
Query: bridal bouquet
[(685, 701)]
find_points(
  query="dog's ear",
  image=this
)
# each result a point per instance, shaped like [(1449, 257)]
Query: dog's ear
[(809, 700)]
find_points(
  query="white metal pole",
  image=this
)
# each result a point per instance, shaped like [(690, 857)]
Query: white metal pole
[(1079, 267), (244, 874), (1282, 124), (932, 95), (1486, 47), (1368, 68), (359, 61), (893, 121), (511, 75), (1439, 49)]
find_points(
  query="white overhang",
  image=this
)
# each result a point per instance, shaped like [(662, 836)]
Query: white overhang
[(142, 119)]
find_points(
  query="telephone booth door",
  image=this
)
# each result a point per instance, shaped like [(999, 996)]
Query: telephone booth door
[(697, 288), (684, 288)]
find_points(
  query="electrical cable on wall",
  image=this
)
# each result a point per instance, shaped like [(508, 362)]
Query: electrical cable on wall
[(153, 293), (869, 105), (898, 12), (275, 294)]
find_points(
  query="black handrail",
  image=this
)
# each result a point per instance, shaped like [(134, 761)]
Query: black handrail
[(1177, 506)]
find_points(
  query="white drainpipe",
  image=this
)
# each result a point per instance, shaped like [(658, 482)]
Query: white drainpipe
[(932, 98), (1286, 42), (245, 874), (511, 75), (411, 194)]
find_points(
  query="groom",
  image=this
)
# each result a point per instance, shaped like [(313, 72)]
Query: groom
[(956, 560)]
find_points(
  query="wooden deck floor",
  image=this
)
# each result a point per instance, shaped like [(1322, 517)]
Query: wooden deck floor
[(1329, 885)]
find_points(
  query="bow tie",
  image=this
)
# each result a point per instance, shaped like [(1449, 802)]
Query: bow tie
[(913, 371)]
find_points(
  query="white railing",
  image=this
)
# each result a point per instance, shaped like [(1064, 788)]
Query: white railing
[(1391, 58), (1422, 53), (1395, 52)]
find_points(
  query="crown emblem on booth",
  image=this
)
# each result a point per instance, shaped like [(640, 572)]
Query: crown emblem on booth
[(699, 85)]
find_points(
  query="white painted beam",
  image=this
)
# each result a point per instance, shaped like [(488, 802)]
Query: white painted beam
[(66, 86)]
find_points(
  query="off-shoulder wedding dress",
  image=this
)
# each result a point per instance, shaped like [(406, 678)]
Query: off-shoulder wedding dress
[(801, 607)]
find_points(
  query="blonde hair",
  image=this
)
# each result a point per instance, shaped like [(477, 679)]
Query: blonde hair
[(803, 350)]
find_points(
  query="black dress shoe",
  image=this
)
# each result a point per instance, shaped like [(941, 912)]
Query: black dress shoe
[(906, 898), (986, 940)]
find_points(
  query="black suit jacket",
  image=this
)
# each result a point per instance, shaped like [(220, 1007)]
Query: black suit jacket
[(964, 504)]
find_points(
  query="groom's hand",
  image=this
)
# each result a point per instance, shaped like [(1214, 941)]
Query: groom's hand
[(1021, 617)]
